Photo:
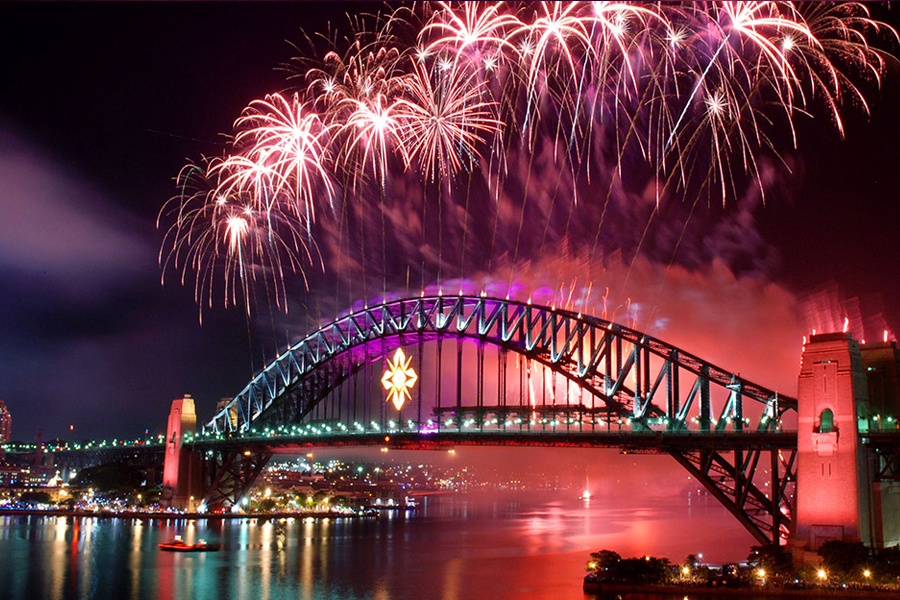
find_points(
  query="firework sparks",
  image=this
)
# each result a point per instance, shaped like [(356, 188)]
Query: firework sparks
[(372, 131), (291, 141), (479, 27), (689, 93), (228, 244), (444, 119)]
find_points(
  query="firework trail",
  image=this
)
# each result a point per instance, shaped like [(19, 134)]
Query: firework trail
[(503, 104)]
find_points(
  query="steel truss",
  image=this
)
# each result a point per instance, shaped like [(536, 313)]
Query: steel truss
[(629, 377), (884, 447), (228, 473), (600, 355), (149, 456), (732, 477)]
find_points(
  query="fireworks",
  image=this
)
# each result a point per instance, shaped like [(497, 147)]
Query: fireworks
[(287, 146), (230, 239), (445, 119), (693, 92)]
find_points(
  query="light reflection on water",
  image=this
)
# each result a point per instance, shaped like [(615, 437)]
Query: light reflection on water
[(523, 546)]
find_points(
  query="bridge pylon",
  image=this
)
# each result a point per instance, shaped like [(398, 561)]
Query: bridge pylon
[(839, 496), (181, 473)]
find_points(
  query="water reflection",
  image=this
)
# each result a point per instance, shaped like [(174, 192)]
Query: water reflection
[(454, 548)]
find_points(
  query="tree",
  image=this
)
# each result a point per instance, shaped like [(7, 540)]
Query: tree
[(267, 504), (773, 559), (32, 498), (648, 569), (112, 478), (844, 559), (887, 563), (603, 561)]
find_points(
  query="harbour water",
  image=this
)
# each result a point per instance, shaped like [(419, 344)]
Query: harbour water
[(457, 547)]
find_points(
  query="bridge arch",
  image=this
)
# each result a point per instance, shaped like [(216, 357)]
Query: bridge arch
[(599, 355), (633, 382)]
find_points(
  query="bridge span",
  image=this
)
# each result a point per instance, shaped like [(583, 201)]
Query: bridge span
[(450, 370), (436, 372)]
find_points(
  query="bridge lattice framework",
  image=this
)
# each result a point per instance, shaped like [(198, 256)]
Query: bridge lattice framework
[(484, 357)]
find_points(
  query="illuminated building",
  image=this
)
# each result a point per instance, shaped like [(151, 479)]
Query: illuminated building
[(5, 424)]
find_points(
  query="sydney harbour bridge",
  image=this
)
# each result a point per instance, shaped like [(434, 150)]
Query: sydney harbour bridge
[(443, 371)]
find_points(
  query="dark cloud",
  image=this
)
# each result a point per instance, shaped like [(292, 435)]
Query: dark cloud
[(57, 225)]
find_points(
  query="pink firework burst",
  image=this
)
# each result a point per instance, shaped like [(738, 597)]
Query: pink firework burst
[(287, 143), (445, 117)]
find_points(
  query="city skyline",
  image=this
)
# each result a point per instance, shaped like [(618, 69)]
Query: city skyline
[(101, 121)]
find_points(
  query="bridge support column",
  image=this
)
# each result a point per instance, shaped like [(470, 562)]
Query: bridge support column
[(230, 473), (886, 513), (181, 473), (833, 479), (882, 362)]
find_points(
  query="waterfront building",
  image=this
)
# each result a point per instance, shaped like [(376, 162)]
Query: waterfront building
[(5, 424)]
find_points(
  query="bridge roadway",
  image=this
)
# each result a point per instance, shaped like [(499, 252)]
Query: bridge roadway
[(887, 443), (654, 442)]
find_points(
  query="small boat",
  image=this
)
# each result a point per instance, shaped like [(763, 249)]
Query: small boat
[(178, 545), (586, 494)]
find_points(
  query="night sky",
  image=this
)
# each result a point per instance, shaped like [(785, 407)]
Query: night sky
[(101, 104)]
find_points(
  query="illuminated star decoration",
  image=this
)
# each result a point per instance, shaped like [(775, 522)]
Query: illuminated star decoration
[(399, 378)]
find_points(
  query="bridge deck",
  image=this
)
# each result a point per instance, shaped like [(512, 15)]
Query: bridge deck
[(652, 441)]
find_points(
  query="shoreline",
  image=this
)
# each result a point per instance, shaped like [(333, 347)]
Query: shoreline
[(624, 591), (174, 516)]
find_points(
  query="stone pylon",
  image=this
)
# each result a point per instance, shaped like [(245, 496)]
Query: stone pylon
[(181, 474), (833, 478)]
